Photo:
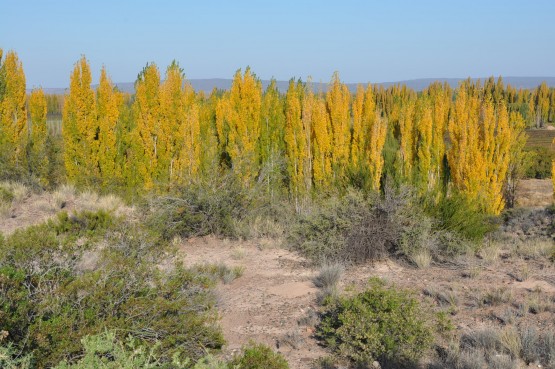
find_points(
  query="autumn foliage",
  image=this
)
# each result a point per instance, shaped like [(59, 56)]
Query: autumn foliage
[(300, 142)]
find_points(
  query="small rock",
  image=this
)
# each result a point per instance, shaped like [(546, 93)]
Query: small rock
[(376, 365)]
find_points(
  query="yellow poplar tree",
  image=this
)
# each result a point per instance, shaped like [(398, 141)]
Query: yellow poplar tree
[(425, 149), (108, 103), (405, 155), (377, 130), (189, 163), (363, 108), (146, 109), (210, 153), (79, 126), (322, 146), (179, 155), (295, 141), (338, 99), (307, 116), (238, 118), (38, 160), (13, 111), (479, 157), (272, 136)]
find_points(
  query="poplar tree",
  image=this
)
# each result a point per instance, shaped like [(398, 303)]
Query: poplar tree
[(13, 112), (146, 110), (108, 105), (210, 149), (479, 157), (295, 141), (80, 126), (375, 144), (179, 155), (406, 153), (272, 137), (338, 100), (38, 159), (238, 118), (322, 147)]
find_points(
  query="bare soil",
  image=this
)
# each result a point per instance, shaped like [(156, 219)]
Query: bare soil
[(535, 193), (273, 300)]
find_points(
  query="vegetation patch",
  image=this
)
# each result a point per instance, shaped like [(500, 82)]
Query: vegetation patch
[(380, 324)]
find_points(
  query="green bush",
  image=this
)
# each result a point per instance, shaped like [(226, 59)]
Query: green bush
[(257, 356), (85, 223), (462, 216), (199, 210), (106, 351), (53, 301), (6, 195), (378, 324), (9, 358), (539, 162)]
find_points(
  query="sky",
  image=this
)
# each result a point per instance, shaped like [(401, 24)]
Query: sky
[(365, 41)]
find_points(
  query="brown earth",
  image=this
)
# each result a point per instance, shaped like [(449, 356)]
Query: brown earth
[(535, 192), (275, 301)]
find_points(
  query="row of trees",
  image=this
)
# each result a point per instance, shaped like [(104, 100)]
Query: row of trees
[(302, 142), (23, 130)]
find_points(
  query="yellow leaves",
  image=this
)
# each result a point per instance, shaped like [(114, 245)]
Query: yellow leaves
[(323, 149), (238, 124), (481, 138), (407, 145), (37, 111), (338, 100), (295, 140), (37, 148), (146, 109), (13, 112), (79, 126), (376, 141), (108, 110)]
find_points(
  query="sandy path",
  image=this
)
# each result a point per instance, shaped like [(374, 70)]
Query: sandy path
[(267, 301)]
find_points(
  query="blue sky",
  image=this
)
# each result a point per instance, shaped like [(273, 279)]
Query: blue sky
[(366, 41)]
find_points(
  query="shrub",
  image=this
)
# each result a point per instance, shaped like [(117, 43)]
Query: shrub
[(378, 324), (256, 356), (461, 215), (356, 228), (9, 359), (539, 162), (106, 351), (85, 223), (224, 208), (51, 303), (329, 275)]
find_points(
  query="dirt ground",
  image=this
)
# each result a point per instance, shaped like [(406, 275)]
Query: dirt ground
[(276, 302), (535, 192), (273, 301)]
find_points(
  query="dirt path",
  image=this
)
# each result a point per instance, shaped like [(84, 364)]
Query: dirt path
[(267, 302), (275, 293)]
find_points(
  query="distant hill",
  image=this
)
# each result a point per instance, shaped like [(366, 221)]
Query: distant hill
[(208, 85)]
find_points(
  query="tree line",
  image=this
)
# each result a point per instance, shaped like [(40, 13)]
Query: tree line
[(441, 141)]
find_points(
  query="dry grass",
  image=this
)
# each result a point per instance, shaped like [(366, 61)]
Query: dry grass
[(490, 252), (5, 209), (422, 259), (534, 249), (238, 253), (328, 276), (63, 195)]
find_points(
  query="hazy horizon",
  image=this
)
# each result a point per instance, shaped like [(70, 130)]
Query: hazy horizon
[(365, 41)]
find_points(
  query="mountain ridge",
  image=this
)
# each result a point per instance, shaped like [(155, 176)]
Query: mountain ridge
[(208, 84)]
